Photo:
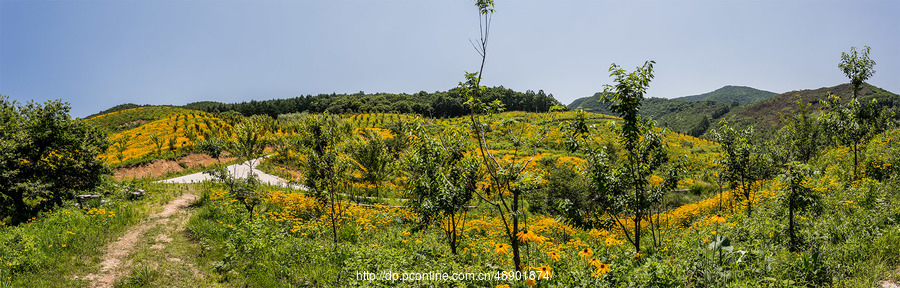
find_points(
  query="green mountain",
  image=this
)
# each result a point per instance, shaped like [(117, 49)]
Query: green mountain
[(683, 115), (730, 94), (692, 118), (766, 115), (697, 117)]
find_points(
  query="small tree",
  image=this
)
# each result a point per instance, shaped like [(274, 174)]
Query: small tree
[(738, 162), (248, 145), (158, 144), (857, 68), (173, 145), (801, 133), (120, 145), (852, 123), (245, 190), (627, 191), (373, 159), (321, 142), (191, 134), (442, 179), (250, 140), (574, 131), (799, 196), (211, 146)]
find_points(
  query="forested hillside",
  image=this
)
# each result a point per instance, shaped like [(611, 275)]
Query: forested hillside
[(692, 118), (766, 115), (730, 94), (437, 104), (696, 117)]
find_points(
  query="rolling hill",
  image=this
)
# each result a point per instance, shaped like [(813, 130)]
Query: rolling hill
[(766, 115), (696, 117), (690, 115), (730, 94), (128, 116)]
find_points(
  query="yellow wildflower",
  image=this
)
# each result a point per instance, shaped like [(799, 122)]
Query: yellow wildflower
[(602, 269), (554, 256), (718, 219), (586, 252)]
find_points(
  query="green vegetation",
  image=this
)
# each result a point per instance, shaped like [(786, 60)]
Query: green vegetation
[(65, 241), (766, 115), (134, 116), (625, 187), (45, 158), (692, 118), (731, 94), (437, 104)]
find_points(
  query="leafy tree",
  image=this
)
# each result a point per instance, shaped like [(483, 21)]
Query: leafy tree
[(373, 159), (738, 161), (799, 196), (567, 195), (801, 134), (244, 190), (251, 139), (158, 144), (575, 131), (173, 145), (626, 190), (211, 146), (507, 178), (45, 157), (857, 68), (443, 180), (324, 167), (191, 134), (852, 123), (248, 145), (120, 145), (700, 128)]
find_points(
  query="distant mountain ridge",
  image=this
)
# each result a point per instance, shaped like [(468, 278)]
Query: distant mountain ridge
[(766, 115), (690, 115), (730, 94), (697, 118)]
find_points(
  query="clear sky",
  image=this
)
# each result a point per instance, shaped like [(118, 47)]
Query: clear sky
[(97, 54)]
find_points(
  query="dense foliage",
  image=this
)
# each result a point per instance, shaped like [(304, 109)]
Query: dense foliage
[(45, 157), (692, 118), (437, 104), (731, 94)]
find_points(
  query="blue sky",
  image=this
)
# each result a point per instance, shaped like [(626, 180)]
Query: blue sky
[(97, 54)]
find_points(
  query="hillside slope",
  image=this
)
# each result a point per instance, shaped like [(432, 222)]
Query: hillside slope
[(766, 115), (438, 104), (687, 117), (730, 94), (696, 118), (130, 118)]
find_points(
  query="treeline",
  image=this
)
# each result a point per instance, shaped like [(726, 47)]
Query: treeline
[(438, 104)]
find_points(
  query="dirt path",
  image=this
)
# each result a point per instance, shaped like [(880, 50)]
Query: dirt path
[(116, 260)]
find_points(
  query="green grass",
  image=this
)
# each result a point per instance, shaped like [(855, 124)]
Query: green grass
[(58, 245)]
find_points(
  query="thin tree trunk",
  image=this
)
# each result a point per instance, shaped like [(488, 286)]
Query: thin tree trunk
[(517, 260), (793, 246)]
